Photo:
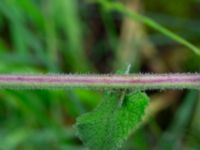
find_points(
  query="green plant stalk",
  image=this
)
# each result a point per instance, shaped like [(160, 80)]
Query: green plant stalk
[(116, 6), (109, 81)]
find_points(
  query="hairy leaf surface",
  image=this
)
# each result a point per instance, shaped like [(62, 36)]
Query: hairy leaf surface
[(110, 124)]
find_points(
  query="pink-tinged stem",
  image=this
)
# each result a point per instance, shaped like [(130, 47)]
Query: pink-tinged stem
[(133, 81)]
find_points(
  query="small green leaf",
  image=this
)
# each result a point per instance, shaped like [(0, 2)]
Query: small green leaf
[(109, 124)]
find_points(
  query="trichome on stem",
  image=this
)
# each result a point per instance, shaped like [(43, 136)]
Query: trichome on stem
[(131, 81)]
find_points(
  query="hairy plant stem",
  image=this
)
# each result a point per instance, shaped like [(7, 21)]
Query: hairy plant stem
[(131, 81)]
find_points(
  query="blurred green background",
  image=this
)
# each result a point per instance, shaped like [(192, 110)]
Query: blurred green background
[(80, 36)]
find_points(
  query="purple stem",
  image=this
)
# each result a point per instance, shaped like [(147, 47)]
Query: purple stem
[(137, 81)]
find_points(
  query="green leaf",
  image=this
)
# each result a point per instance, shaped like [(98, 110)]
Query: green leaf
[(110, 124)]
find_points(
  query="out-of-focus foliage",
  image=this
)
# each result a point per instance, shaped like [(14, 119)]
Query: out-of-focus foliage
[(76, 36)]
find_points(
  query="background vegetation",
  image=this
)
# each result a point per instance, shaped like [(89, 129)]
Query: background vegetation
[(81, 36)]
